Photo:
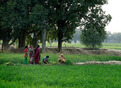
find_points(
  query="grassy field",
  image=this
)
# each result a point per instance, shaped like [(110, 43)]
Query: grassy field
[(59, 76), (79, 45), (18, 58)]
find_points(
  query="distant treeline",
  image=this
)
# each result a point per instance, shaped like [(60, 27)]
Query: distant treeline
[(113, 37)]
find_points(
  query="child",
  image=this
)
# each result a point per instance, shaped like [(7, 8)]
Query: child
[(45, 60), (61, 59), (31, 55), (25, 55)]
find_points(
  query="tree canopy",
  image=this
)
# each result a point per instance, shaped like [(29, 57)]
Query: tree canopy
[(22, 18)]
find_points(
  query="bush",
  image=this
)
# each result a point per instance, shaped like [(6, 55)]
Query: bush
[(68, 62)]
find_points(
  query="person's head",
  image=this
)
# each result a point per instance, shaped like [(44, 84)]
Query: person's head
[(61, 55), (26, 46), (47, 56)]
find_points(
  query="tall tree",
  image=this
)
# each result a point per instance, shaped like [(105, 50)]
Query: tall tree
[(39, 18), (67, 14), (6, 8), (93, 33)]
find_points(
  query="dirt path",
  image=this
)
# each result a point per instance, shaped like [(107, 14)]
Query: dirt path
[(99, 62)]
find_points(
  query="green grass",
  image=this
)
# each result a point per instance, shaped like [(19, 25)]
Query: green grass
[(80, 45), (19, 58), (112, 45), (57, 76)]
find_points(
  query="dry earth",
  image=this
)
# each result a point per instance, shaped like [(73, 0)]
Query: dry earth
[(99, 62), (69, 50)]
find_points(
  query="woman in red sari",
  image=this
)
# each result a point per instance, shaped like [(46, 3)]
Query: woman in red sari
[(37, 55), (26, 55)]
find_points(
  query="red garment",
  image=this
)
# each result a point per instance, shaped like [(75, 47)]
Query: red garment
[(37, 55), (30, 47), (25, 52)]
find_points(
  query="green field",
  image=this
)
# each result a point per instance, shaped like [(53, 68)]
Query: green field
[(57, 75), (80, 45), (60, 76), (18, 58)]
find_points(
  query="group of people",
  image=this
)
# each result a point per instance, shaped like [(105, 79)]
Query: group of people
[(34, 56)]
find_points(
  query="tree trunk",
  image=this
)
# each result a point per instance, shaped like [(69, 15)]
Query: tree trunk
[(60, 36), (34, 40), (43, 39), (5, 45), (22, 39)]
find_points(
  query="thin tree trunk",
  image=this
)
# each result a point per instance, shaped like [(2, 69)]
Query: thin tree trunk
[(22, 39), (60, 36), (43, 39), (34, 40), (5, 45)]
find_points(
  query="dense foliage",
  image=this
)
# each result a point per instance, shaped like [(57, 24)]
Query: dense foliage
[(22, 19), (93, 33)]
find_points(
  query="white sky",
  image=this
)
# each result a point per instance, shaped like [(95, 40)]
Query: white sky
[(113, 8)]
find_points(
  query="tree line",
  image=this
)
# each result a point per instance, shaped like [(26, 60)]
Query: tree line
[(47, 20), (113, 37)]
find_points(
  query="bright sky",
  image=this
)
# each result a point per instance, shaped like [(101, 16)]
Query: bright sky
[(113, 8)]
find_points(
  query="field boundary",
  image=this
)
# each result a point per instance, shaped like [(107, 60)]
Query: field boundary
[(83, 51), (99, 62)]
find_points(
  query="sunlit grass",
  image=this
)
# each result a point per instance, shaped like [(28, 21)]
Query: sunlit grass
[(19, 58), (58, 76)]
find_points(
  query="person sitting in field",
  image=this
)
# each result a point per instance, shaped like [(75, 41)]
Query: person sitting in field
[(45, 60), (61, 58), (31, 55), (26, 54)]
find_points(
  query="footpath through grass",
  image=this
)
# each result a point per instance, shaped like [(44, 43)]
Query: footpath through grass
[(60, 76), (19, 58)]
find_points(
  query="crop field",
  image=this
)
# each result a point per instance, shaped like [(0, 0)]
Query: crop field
[(53, 58), (59, 75), (80, 45)]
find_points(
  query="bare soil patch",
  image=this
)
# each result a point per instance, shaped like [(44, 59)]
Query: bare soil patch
[(99, 62), (71, 50)]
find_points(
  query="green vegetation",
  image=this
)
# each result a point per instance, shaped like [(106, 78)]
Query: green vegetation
[(80, 45), (15, 75), (112, 45), (87, 76), (18, 58), (26, 20)]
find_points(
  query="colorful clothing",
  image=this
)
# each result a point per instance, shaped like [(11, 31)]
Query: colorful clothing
[(25, 55), (61, 59), (37, 55), (30, 55), (25, 60), (45, 60)]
